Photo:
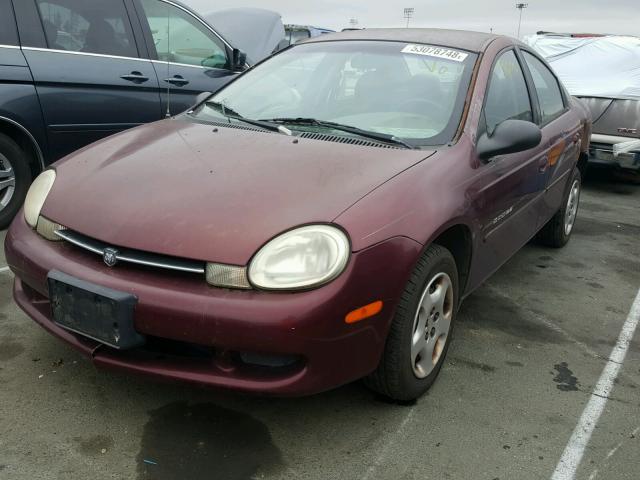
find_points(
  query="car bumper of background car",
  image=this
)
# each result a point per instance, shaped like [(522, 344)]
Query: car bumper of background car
[(263, 342), (602, 154)]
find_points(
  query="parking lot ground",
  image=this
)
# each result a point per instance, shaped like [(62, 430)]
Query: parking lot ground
[(530, 346)]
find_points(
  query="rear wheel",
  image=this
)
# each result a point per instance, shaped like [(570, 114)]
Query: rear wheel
[(421, 330), (15, 178), (557, 231)]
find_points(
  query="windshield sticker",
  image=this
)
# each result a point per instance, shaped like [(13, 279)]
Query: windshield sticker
[(438, 52)]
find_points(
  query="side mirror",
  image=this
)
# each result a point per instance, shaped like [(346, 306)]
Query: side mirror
[(510, 136), (238, 60), (202, 97)]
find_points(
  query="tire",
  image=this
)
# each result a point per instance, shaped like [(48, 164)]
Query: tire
[(557, 232), (627, 176), (15, 178), (400, 376)]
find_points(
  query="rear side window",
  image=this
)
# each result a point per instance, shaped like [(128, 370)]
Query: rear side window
[(8, 32), (508, 97), (547, 88), (89, 26)]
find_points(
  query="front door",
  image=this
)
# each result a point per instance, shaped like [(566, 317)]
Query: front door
[(190, 57), (90, 78), (509, 187)]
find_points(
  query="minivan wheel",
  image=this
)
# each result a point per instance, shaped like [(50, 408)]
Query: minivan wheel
[(557, 232), (15, 178), (421, 329)]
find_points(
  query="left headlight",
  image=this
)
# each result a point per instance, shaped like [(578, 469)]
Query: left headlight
[(302, 258), (37, 195)]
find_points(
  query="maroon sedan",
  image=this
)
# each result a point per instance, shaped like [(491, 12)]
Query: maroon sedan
[(317, 221)]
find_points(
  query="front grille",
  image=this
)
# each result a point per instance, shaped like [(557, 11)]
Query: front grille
[(127, 255), (607, 147), (347, 140)]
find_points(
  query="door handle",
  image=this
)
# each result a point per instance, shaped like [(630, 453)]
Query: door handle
[(135, 77), (543, 163), (177, 80)]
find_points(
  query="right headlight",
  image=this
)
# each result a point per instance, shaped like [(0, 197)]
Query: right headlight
[(37, 195), (302, 258)]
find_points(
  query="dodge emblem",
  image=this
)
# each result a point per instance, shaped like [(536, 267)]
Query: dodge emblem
[(110, 256)]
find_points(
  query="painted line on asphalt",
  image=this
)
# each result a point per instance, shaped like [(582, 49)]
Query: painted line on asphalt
[(574, 451), (612, 452), (391, 440)]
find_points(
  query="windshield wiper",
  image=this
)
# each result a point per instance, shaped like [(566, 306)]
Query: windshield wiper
[(382, 137), (232, 114)]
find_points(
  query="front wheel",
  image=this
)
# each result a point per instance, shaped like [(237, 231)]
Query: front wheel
[(15, 178), (557, 232), (421, 330)]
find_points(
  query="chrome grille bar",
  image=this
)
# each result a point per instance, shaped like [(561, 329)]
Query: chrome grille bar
[(132, 256)]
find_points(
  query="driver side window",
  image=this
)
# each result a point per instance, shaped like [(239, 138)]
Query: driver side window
[(181, 38), (507, 97)]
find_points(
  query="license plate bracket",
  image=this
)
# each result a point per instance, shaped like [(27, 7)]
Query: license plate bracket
[(93, 311)]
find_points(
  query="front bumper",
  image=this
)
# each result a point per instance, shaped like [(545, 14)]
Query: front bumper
[(602, 154), (197, 332)]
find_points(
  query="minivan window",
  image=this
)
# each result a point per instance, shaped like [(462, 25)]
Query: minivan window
[(8, 32), (547, 88), (181, 38), (508, 97), (88, 26)]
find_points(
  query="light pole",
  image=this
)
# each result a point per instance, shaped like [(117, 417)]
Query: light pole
[(408, 13), (521, 7)]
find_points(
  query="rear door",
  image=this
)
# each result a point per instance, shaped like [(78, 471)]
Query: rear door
[(508, 203), (561, 130), (189, 56), (89, 69)]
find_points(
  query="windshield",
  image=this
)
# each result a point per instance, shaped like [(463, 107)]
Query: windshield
[(411, 92)]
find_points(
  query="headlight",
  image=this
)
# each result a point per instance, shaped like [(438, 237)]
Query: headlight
[(47, 229), (37, 195), (302, 258)]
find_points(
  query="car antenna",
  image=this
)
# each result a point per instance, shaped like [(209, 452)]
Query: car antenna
[(168, 114)]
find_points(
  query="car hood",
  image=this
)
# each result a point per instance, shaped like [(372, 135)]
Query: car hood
[(615, 116), (255, 31), (216, 194)]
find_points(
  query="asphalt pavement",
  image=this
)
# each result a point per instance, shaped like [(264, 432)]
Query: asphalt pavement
[(530, 347)]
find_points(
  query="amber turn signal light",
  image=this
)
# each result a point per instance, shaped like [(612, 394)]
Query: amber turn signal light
[(364, 312)]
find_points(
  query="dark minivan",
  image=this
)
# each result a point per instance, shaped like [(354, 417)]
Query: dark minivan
[(75, 71)]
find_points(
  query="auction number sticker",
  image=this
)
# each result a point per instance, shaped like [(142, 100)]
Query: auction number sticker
[(438, 52)]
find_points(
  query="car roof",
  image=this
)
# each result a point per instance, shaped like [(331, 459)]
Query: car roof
[(463, 39)]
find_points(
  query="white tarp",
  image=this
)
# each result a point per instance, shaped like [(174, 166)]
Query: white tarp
[(255, 31), (593, 66)]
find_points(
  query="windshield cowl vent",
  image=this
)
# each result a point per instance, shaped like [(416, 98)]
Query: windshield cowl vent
[(347, 140), (237, 126)]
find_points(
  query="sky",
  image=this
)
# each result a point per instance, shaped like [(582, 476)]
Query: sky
[(593, 16)]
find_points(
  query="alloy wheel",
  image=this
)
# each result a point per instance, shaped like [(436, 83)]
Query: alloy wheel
[(7, 181), (572, 207), (431, 325)]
